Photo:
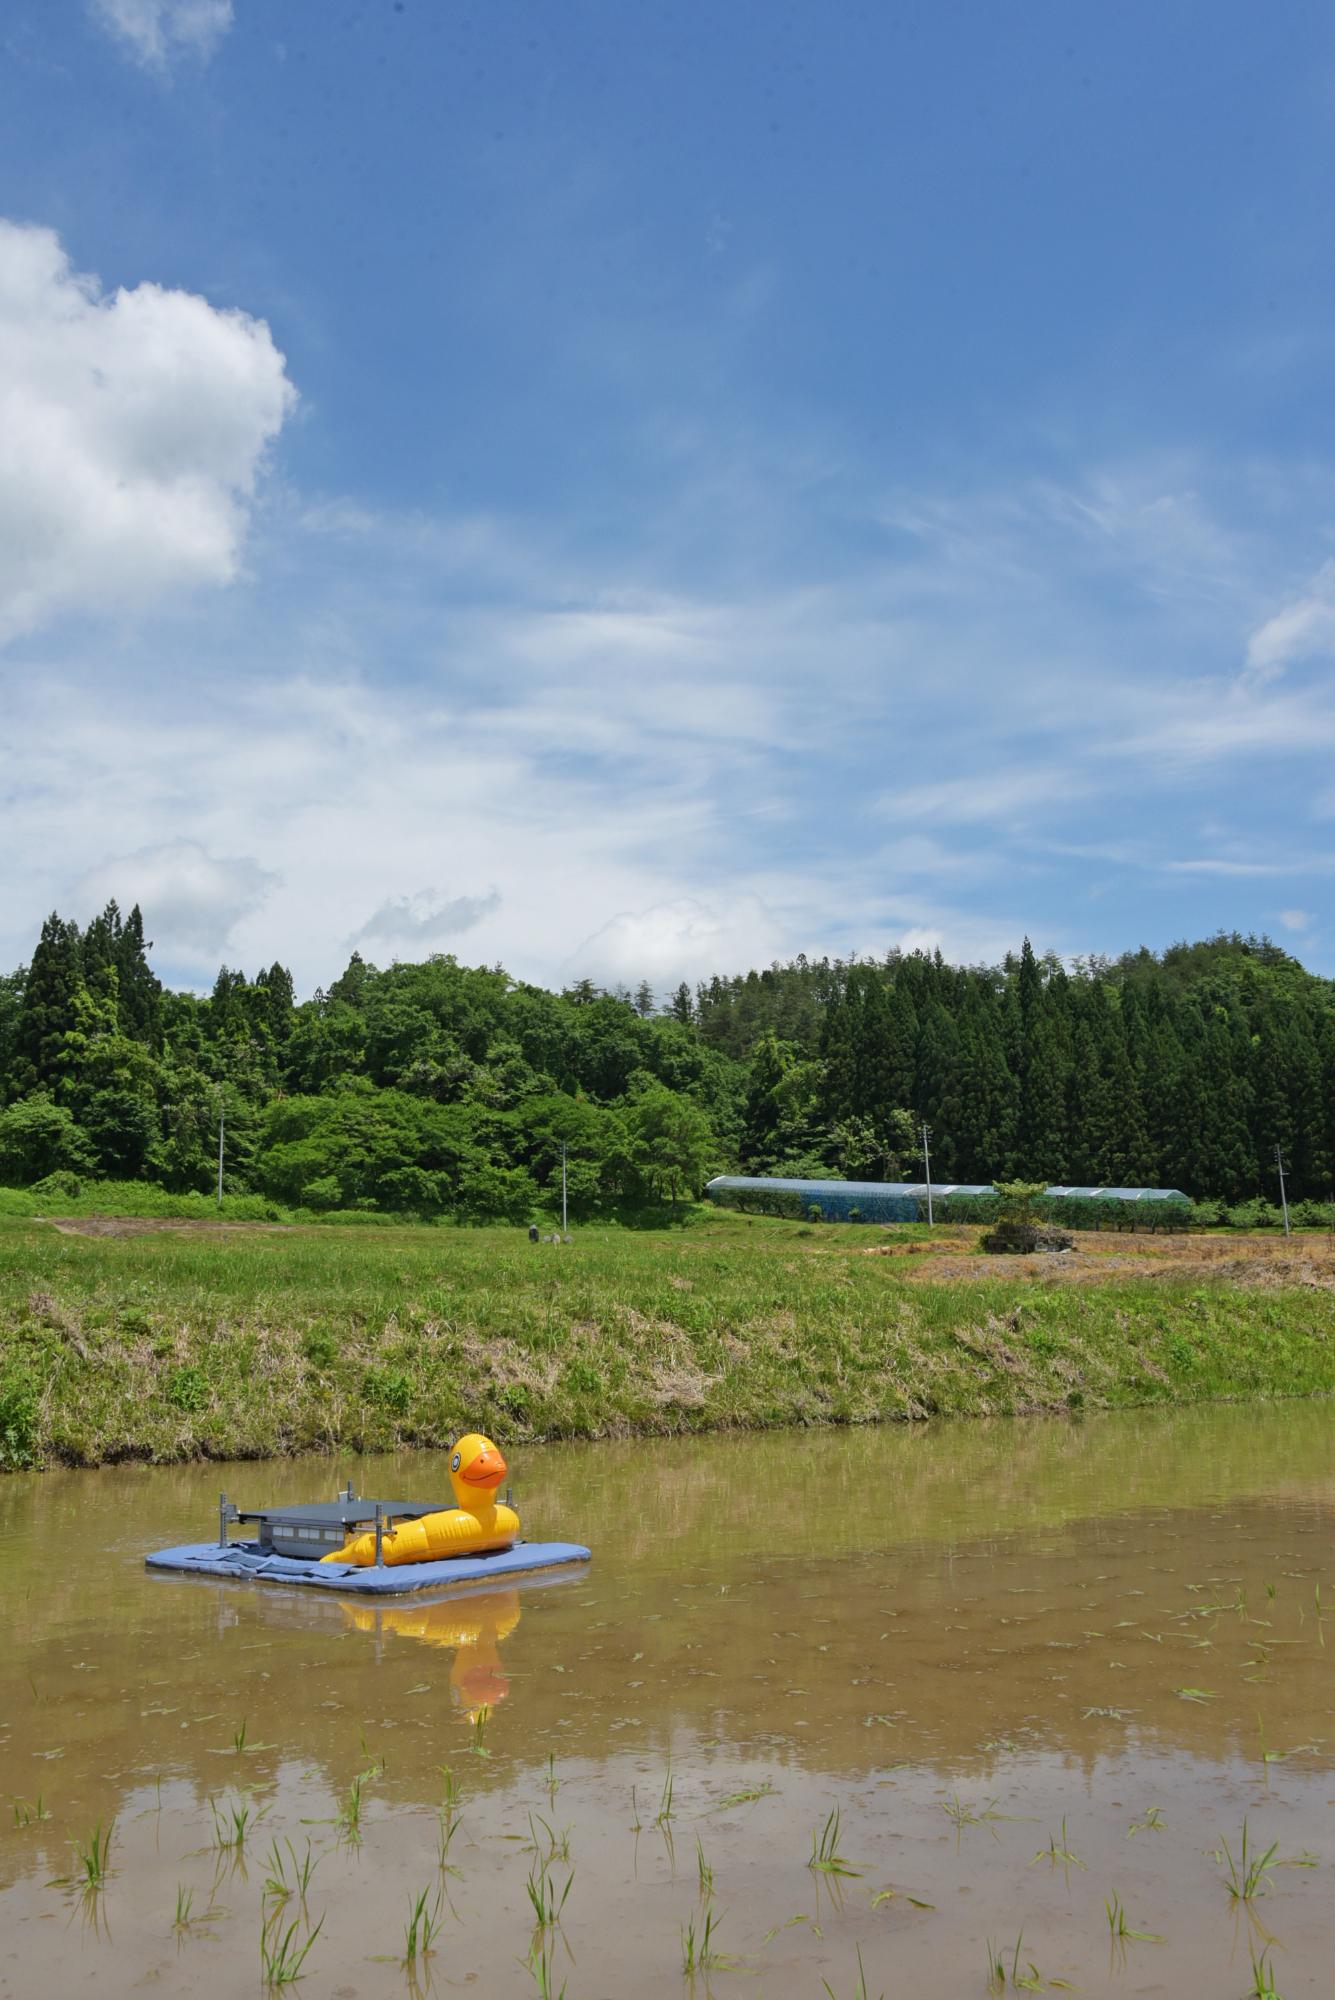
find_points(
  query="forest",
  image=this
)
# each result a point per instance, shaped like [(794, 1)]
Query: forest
[(442, 1090)]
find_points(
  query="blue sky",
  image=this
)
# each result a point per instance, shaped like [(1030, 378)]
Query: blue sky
[(642, 491)]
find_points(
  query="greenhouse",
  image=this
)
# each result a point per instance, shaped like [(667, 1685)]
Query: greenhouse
[(889, 1201)]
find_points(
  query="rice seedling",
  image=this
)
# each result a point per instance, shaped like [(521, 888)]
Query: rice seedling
[(447, 1825), (187, 1918), (1200, 1695), (664, 1814), (703, 1871), (547, 1903), (745, 1798), (374, 1766), (278, 1886), (825, 1856), (801, 1918), (1249, 1875), (861, 1991), (699, 1952), (553, 1783), (1120, 1930), (554, 1846), (1020, 1979), (421, 1928), (1152, 1822), (92, 1858), (961, 1815), (230, 1825), (349, 1818), (29, 1812), (893, 1895), (481, 1718), (1263, 1985), (281, 1957), (1058, 1849), (636, 1826)]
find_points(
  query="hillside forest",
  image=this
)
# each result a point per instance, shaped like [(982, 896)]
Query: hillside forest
[(438, 1089)]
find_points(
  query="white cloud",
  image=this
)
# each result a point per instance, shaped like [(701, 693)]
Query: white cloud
[(1301, 630), (158, 32), (682, 939), (1296, 920), (134, 428), (1005, 793), (424, 922), (192, 900), (955, 742)]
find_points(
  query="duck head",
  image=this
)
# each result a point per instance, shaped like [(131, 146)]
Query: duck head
[(476, 1470)]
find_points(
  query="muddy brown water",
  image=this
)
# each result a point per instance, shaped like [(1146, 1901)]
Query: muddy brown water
[(959, 1637)]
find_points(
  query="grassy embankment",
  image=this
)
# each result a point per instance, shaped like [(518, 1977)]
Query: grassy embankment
[(173, 1343)]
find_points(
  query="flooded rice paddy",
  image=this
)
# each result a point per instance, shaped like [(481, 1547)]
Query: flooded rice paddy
[(971, 1708)]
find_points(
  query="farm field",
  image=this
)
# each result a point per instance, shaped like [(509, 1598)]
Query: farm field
[(140, 1339)]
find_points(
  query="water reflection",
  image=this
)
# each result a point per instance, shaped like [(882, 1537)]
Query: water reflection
[(471, 1627)]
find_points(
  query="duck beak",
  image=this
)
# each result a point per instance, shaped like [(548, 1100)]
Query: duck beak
[(487, 1469)]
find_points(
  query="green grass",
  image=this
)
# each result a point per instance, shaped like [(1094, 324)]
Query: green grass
[(258, 1343)]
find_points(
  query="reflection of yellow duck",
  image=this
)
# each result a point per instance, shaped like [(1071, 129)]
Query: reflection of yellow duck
[(472, 1527), (473, 1627)]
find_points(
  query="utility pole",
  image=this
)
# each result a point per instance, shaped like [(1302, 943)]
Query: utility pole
[(563, 1187), (927, 1170), (1283, 1198), (222, 1126)]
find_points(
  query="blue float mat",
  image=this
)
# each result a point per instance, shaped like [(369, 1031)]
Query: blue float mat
[(247, 1559)]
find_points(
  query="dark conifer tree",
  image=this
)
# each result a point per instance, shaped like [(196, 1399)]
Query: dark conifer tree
[(49, 1008)]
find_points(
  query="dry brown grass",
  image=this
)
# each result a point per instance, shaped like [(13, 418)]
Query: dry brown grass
[(1262, 1261)]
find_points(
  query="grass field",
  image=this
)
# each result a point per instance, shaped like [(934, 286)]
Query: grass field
[(147, 1339)]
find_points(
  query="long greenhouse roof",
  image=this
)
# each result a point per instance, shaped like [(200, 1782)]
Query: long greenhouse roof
[(938, 1187)]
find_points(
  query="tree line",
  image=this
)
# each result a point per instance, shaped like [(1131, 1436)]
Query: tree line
[(438, 1088)]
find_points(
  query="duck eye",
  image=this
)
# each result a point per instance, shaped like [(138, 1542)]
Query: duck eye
[(454, 1463)]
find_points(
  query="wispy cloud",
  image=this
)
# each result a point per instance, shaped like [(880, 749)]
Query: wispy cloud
[(158, 33), (1015, 711), (1302, 629)]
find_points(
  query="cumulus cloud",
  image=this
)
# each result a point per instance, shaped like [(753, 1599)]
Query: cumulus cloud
[(1296, 920), (682, 939), (192, 900), (135, 425), (425, 921), (158, 32)]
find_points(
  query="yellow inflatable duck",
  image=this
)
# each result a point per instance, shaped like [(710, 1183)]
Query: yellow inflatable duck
[(472, 1527), (473, 1629)]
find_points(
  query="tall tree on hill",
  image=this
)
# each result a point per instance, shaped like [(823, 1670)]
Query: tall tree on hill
[(138, 989), (47, 1012)]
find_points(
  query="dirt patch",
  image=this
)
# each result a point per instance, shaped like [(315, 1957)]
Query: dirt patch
[(150, 1225)]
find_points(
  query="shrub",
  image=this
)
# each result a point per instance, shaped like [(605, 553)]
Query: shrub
[(1009, 1238), (37, 1138), (186, 1389), (389, 1388), (18, 1422)]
